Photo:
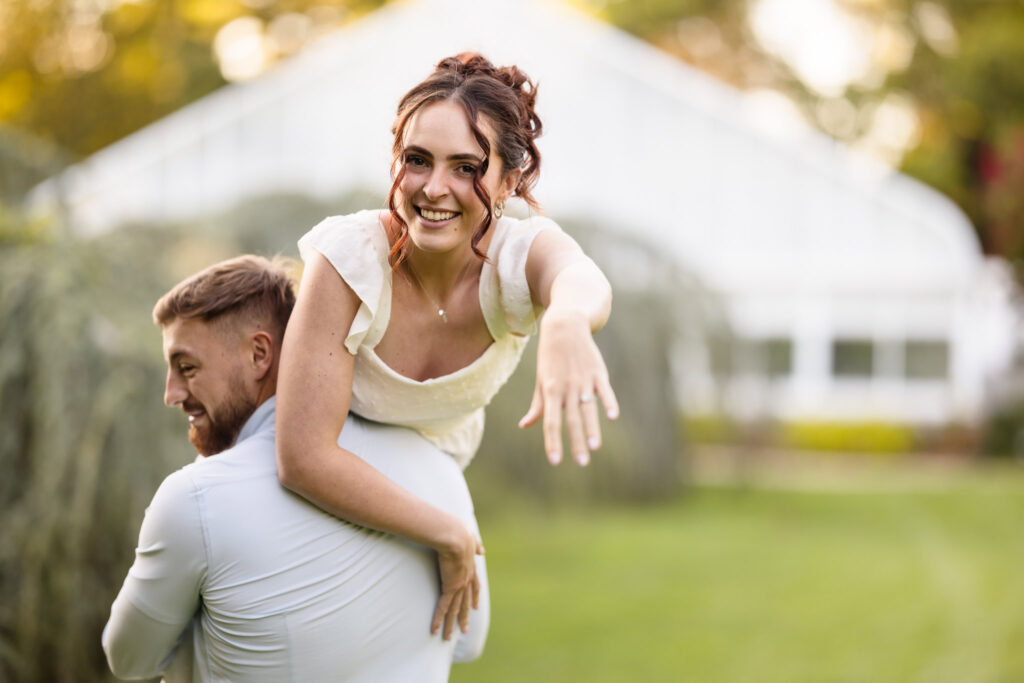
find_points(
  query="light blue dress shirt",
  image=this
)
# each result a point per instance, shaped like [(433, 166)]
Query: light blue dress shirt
[(280, 590)]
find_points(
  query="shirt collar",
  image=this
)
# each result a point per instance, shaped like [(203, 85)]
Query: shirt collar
[(261, 419)]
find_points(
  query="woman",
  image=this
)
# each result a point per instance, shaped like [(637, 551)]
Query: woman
[(417, 315)]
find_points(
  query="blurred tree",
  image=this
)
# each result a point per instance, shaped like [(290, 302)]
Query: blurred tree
[(77, 470), (84, 73), (956, 64)]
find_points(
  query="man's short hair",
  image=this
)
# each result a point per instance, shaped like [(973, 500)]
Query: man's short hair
[(253, 286)]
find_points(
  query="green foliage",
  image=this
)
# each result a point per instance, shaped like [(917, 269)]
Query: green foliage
[(708, 429), (972, 107), (1004, 431), (858, 437), (86, 74), (83, 443)]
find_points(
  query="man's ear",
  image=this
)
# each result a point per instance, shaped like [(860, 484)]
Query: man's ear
[(263, 351)]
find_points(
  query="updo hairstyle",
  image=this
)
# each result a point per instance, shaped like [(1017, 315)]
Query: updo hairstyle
[(505, 96)]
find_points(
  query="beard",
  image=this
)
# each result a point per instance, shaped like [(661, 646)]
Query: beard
[(221, 431)]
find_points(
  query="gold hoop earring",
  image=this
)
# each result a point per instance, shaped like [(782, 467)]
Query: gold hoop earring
[(499, 209)]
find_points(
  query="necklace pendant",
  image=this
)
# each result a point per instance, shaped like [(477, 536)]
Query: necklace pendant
[(444, 316)]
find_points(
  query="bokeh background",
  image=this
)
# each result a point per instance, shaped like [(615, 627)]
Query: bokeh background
[(812, 212)]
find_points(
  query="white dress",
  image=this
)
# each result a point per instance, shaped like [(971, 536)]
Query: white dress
[(447, 410)]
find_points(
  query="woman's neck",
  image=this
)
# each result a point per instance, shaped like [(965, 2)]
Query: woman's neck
[(438, 274)]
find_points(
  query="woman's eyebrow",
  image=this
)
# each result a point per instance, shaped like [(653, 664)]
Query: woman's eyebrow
[(465, 156), (418, 150)]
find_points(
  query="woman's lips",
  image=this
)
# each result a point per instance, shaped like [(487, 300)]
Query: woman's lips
[(436, 217)]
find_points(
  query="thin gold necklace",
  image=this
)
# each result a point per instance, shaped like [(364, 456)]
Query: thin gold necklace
[(440, 310)]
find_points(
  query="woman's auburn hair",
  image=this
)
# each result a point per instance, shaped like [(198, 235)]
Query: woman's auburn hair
[(505, 96)]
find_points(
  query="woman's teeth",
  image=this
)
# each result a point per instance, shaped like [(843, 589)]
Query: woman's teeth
[(437, 215)]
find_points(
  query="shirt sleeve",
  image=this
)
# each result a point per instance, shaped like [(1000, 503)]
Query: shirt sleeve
[(161, 593), (357, 248), (515, 298)]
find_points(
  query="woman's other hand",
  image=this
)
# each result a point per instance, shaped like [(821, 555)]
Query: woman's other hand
[(571, 376), (460, 585)]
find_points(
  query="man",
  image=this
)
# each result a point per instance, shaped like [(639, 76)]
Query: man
[(237, 579)]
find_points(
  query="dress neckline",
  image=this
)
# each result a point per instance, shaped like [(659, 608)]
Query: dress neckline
[(485, 273), (455, 374)]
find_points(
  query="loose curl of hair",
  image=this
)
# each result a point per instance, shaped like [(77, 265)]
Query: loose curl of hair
[(505, 96)]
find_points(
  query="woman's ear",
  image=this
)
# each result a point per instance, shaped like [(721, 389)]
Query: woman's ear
[(262, 350), (509, 183)]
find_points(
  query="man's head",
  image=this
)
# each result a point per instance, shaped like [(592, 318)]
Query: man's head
[(222, 331)]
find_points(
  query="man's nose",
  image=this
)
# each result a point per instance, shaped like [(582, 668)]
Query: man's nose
[(175, 392)]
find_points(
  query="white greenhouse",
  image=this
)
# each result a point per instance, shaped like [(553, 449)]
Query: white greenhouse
[(865, 293)]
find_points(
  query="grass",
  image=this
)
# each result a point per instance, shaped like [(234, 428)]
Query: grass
[(757, 585)]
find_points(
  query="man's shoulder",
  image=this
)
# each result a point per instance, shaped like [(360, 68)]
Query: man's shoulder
[(252, 458)]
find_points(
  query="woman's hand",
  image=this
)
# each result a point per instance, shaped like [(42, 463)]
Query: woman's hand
[(570, 373), (460, 585)]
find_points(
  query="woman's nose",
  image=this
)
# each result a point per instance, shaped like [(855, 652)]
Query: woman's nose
[(436, 185)]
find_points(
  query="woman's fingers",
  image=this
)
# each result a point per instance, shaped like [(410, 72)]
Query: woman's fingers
[(454, 610), (574, 426), (440, 612), (535, 411), (467, 599), (611, 404), (553, 429), (591, 420)]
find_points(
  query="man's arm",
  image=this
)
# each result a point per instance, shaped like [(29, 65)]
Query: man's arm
[(161, 592)]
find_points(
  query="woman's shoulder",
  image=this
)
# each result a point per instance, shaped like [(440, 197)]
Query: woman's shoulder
[(366, 223), (513, 237), (505, 294), (356, 235)]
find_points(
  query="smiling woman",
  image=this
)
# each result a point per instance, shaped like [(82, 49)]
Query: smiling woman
[(415, 316)]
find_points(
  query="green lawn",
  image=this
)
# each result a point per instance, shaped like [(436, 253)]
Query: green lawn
[(728, 585)]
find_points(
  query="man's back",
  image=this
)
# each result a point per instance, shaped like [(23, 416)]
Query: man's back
[(288, 592)]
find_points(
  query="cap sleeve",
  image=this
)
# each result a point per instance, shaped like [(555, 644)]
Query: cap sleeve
[(508, 306), (357, 248)]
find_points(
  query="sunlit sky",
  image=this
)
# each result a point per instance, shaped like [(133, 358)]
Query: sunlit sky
[(830, 48), (827, 47)]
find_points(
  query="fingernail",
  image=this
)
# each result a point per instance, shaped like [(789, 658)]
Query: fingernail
[(554, 457), (583, 459), (612, 414), (593, 443)]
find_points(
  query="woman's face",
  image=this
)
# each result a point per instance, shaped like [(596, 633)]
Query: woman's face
[(436, 197)]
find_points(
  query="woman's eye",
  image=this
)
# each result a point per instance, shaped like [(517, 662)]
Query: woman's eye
[(186, 370), (415, 161), (467, 169)]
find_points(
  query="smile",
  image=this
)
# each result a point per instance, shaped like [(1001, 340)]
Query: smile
[(432, 215)]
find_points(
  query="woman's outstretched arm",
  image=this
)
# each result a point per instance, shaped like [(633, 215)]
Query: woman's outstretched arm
[(313, 394), (576, 298)]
